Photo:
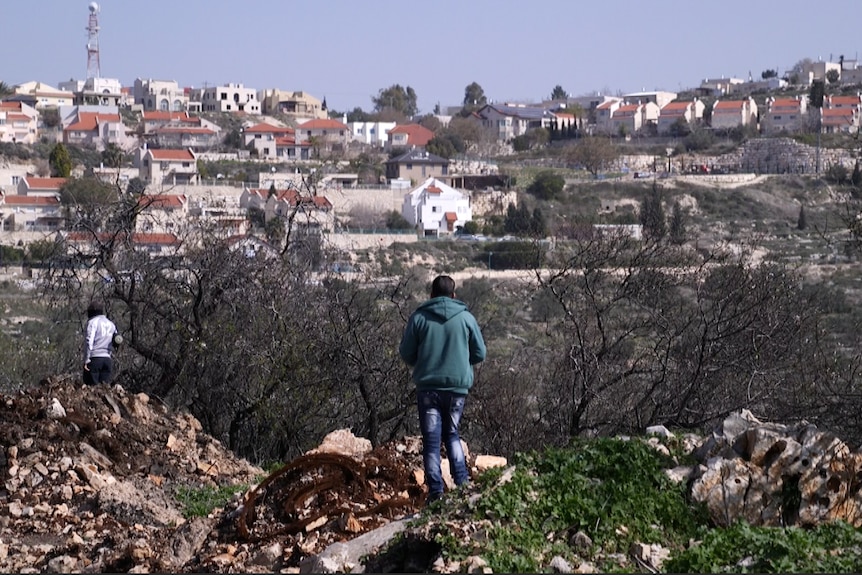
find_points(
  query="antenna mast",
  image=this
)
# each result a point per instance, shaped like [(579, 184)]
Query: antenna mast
[(94, 69)]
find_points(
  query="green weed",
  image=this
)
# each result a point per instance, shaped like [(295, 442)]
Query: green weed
[(201, 501)]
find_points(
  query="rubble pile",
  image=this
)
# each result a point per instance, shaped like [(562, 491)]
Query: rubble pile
[(92, 477)]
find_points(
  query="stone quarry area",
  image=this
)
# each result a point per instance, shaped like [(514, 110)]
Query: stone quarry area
[(93, 478)]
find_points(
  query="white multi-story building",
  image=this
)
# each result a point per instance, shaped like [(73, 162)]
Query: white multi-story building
[(162, 95), (435, 208), (230, 98)]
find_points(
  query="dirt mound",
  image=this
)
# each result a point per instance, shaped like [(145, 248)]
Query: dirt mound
[(91, 477)]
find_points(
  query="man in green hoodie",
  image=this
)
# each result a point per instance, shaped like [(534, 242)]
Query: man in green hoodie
[(442, 342)]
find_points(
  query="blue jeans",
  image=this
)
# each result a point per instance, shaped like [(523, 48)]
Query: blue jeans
[(439, 416)]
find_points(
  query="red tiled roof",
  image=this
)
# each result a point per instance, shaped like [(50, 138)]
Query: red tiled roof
[(451, 217), (294, 198), (322, 124), (10, 106), (44, 183), (89, 121), (827, 112), (264, 128), (172, 155), (16, 200), (164, 116), (729, 105), (433, 190), (676, 106), (605, 105), (417, 135), (162, 201), (11, 117), (138, 238)]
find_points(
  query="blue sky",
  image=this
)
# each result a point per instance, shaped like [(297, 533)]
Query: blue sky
[(347, 50)]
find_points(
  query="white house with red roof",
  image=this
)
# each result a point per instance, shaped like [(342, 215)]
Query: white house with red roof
[(90, 126), (325, 133), (33, 186), (264, 138), (435, 208), (155, 243), (18, 123), (161, 213), (687, 113), (785, 114), (29, 213), (308, 213), (631, 118), (167, 167), (409, 135), (604, 112), (728, 114), (841, 113)]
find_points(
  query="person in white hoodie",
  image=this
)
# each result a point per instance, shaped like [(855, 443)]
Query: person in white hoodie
[(99, 343)]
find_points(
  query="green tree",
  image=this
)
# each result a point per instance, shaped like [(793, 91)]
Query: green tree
[(547, 185), (677, 231), (558, 93), (474, 97), (113, 156), (652, 216), (396, 98), (801, 221), (768, 73), (538, 225), (233, 139), (832, 76), (60, 162), (5, 89)]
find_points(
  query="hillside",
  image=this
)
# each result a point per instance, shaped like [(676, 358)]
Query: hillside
[(100, 480)]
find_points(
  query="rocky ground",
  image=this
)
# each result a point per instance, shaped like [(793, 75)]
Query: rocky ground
[(92, 477), (93, 481)]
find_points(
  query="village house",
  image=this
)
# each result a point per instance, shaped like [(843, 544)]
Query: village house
[(658, 97), (435, 208), (784, 114), (156, 244), (161, 213), (263, 136), (299, 105), (19, 123), (416, 165), (230, 98), (686, 113), (727, 114), (96, 92), (309, 214), (34, 186), (29, 213), (409, 135), (841, 113), (371, 133), (167, 167), (631, 118), (45, 96), (507, 121), (95, 127), (163, 95), (324, 133), (603, 114)]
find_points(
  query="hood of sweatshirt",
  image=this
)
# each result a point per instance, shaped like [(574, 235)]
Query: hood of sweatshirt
[(443, 307)]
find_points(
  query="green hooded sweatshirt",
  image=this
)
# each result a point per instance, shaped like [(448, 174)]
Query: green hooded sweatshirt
[(442, 342)]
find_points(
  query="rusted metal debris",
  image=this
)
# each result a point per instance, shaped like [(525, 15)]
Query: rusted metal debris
[(328, 489)]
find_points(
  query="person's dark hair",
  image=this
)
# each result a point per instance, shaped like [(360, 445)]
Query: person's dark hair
[(95, 308), (443, 286)]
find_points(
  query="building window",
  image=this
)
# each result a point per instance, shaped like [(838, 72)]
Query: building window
[(186, 164), (434, 209)]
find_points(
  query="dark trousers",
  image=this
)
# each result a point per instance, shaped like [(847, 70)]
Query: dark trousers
[(99, 372)]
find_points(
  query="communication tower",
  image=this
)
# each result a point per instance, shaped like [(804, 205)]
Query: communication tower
[(94, 69)]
